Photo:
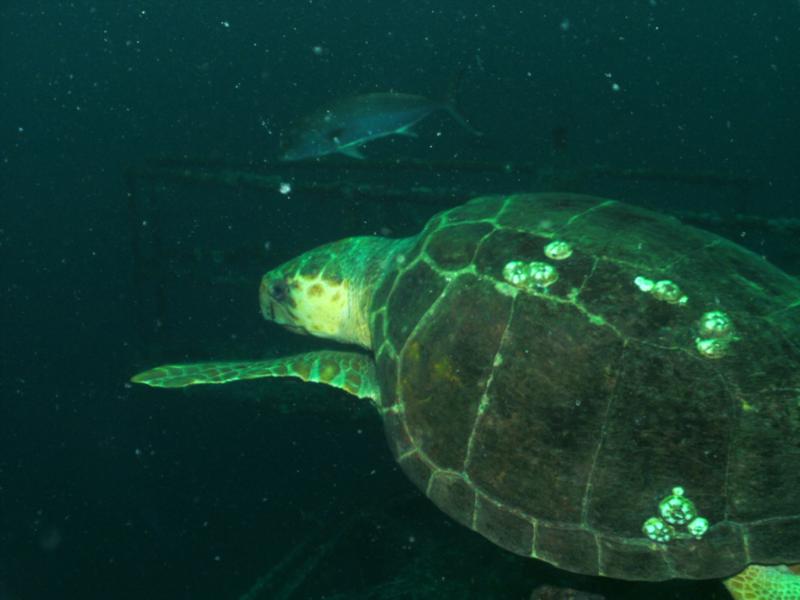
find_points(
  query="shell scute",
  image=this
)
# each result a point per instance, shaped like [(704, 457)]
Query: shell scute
[(546, 410), (567, 547), (569, 410), (551, 213), (447, 489), (503, 527), (772, 538), (414, 294), (475, 209), (641, 560), (417, 470), (678, 408), (720, 555), (453, 247), (445, 368)]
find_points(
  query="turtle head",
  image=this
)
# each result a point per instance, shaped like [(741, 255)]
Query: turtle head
[(327, 292)]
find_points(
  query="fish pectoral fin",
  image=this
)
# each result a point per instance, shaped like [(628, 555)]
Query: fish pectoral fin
[(461, 120), (407, 132), (352, 152)]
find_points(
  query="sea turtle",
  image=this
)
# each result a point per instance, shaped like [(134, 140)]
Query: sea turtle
[(577, 379)]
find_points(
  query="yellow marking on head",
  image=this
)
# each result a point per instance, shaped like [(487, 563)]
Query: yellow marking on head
[(320, 306)]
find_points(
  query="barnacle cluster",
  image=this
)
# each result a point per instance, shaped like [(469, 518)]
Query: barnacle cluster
[(715, 334), (537, 275), (533, 275), (677, 519), (663, 289)]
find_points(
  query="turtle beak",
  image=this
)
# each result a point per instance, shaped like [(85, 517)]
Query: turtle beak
[(265, 301), (276, 302), (272, 294)]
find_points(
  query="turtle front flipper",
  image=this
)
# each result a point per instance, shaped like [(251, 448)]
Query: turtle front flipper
[(758, 582), (352, 372)]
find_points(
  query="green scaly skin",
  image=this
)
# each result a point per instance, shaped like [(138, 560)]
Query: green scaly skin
[(352, 372), (759, 582)]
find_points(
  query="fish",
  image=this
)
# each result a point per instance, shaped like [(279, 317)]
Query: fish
[(346, 125)]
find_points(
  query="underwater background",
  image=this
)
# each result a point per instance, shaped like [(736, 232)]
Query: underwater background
[(123, 244)]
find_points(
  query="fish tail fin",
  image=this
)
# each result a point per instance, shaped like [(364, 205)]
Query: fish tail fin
[(449, 102)]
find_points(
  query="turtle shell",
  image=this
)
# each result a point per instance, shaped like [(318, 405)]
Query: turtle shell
[(554, 409)]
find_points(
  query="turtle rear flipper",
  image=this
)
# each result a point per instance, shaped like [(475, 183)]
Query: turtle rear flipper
[(352, 372), (759, 582)]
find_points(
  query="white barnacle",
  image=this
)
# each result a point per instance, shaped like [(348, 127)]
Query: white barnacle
[(669, 292), (697, 527), (715, 324), (542, 274), (676, 508), (529, 275), (644, 284), (558, 250), (657, 530), (516, 272), (712, 347)]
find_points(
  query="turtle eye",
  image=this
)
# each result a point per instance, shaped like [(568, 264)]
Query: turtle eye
[(279, 290)]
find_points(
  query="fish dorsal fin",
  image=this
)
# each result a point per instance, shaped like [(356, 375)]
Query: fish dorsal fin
[(353, 372)]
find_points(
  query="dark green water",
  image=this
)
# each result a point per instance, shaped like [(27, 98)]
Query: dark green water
[(112, 492)]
